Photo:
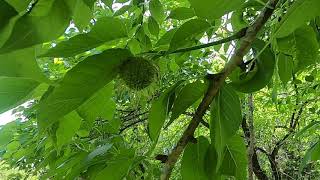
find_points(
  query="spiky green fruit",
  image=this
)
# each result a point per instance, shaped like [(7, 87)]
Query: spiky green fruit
[(138, 73)]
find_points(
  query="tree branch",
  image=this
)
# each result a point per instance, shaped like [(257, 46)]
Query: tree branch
[(132, 124), (251, 150), (237, 35), (216, 83), (258, 171), (293, 124)]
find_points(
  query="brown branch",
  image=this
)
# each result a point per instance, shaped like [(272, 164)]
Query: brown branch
[(216, 83), (258, 171), (251, 150), (132, 124)]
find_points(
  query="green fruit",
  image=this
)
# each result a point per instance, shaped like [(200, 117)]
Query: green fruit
[(138, 73)]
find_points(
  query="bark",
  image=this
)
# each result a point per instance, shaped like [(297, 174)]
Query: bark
[(251, 136), (258, 171)]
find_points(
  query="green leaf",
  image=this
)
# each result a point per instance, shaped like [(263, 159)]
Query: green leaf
[(308, 127), (156, 10), (264, 63), (144, 40), (225, 119), (313, 154), (235, 162), (193, 160), (108, 3), (237, 20), (6, 13), (300, 12), (68, 126), (188, 95), (47, 21), (19, 5), (159, 111), (117, 168), (285, 67), (213, 9), (302, 44), (153, 26), (81, 12), (211, 163), (21, 63), (122, 10), (106, 29), (15, 91), (187, 32), (7, 133), (98, 152), (80, 83), (166, 38), (13, 146), (307, 47), (181, 13), (100, 105)]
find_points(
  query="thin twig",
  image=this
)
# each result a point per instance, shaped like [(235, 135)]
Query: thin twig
[(132, 124), (235, 36)]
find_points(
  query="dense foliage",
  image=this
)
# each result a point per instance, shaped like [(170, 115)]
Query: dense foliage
[(149, 89)]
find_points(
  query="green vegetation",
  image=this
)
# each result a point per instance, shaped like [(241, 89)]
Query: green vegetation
[(160, 89)]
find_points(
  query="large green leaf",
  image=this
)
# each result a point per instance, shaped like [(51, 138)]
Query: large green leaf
[(213, 9), (118, 167), (302, 44), (68, 126), (159, 111), (182, 13), (81, 12), (211, 162), (187, 32), (6, 13), (106, 29), (80, 83), (21, 63), (153, 26), (100, 105), (225, 119), (156, 10), (186, 97), (264, 65), (193, 160), (19, 5), (164, 41), (235, 160), (298, 14), (14, 91), (285, 67), (45, 22)]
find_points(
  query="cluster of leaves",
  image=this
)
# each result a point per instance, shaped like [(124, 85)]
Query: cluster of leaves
[(84, 122)]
